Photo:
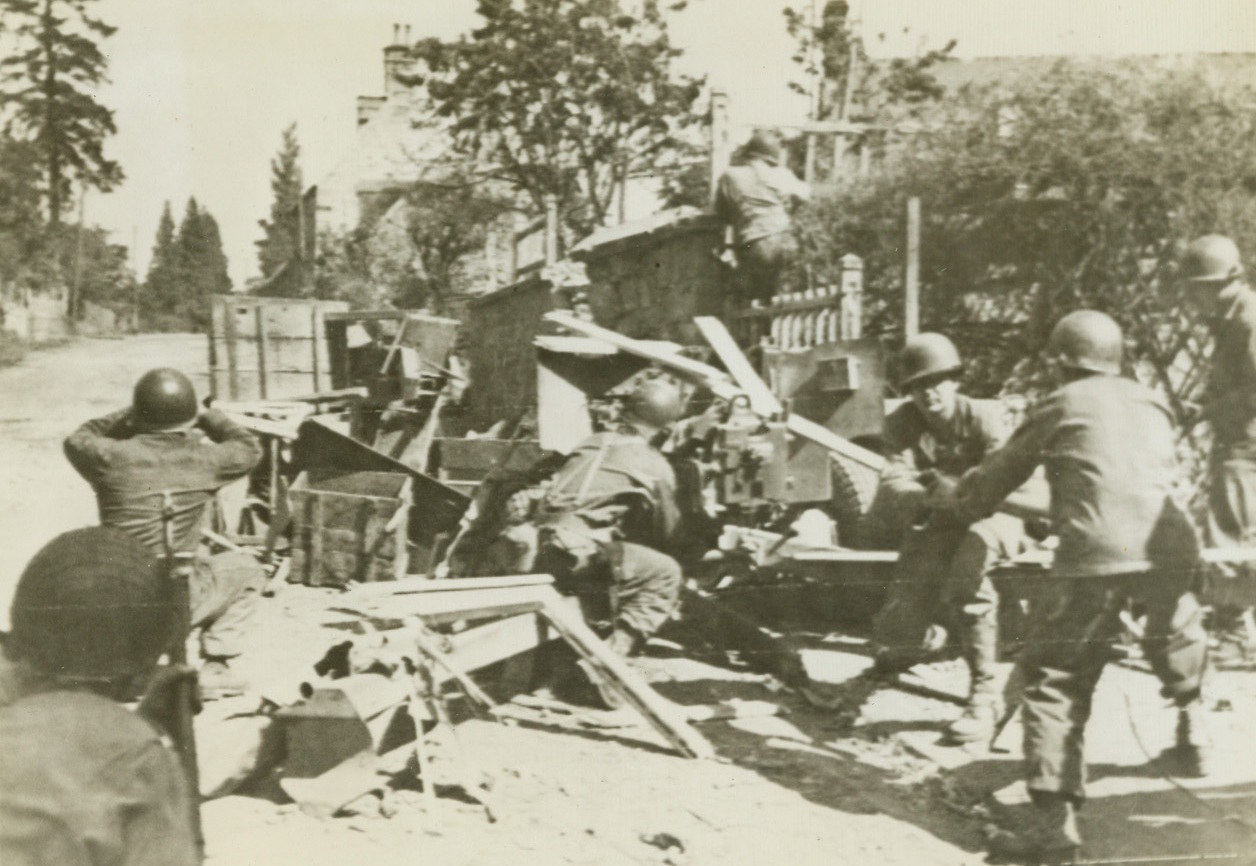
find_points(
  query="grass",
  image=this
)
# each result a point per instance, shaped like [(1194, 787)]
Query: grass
[(12, 348)]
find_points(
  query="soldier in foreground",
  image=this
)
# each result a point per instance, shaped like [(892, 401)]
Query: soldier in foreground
[(599, 528), (1108, 444), (1214, 273), (155, 467), (930, 442), (84, 781)]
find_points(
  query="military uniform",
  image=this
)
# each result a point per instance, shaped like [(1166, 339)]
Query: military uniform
[(601, 524), (754, 199), (130, 471), (1230, 408), (941, 567), (83, 781), (1108, 446)]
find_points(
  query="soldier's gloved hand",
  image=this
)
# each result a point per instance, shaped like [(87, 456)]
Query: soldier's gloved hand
[(160, 701), (940, 492)]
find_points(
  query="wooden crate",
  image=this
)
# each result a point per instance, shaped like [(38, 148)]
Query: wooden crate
[(268, 348), (349, 526), (463, 463)]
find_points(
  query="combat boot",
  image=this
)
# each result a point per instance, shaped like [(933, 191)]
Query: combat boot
[(981, 713), (1049, 835), (1190, 755), (978, 721)]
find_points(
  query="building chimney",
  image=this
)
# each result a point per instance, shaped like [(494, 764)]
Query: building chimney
[(396, 60)]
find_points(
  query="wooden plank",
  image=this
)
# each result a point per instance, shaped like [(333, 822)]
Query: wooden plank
[(448, 606), (262, 347), (499, 640), (706, 374), (316, 327), (762, 400), (664, 716), (313, 576), (431, 646), (410, 586), (720, 384), (230, 336)]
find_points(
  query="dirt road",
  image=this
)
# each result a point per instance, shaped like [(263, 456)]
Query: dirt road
[(42, 400)]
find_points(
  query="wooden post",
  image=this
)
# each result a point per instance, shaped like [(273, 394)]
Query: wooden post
[(809, 170), (839, 155), (911, 299), (622, 189), (516, 223), (721, 141), (259, 322), (851, 300), (551, 229)]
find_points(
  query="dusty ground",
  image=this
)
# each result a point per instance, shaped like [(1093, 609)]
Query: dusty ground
[(787, 789)]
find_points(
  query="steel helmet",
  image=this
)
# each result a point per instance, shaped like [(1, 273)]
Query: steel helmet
[(93, 604), (655, 403), (1211, 259), (164, 399), (763, 144), (927, 355), (1087, 340)]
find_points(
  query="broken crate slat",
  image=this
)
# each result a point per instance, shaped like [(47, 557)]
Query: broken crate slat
[(480, 601)]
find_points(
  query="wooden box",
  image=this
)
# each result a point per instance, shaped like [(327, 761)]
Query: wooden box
[(268, 348), (349, 526)]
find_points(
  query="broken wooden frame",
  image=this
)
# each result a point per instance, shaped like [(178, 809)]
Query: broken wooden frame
[(524, 598)]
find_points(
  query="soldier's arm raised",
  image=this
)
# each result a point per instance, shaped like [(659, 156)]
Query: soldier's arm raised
[(236, 449), (86, 448)]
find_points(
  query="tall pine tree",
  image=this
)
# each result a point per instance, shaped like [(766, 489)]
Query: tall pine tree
[(187, 267), (279, 253), (48, 91), (160, 293)]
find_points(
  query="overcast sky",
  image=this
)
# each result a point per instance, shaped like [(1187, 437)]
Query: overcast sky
[(203, 88)]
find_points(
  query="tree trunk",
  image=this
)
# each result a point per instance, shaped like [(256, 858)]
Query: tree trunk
[(50, 137)]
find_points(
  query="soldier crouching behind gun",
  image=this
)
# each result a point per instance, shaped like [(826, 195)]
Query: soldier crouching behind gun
[(154, 467), (84, 781), (596, 528), (1109, 448), (942, 577)]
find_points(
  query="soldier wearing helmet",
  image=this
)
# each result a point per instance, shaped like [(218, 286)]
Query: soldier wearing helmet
[(1213, 271), (753, 199), (82, 779), (613, 503), (600, 527), (931, 440), (162, 459), (1109, 448)]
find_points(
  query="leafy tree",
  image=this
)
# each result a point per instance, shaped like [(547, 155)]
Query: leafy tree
[(421, 250), (187, 267), (48, 88), (20, 221), (851, 85), (557, 96), (161, 285), (1064, 190), (279, 251)]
